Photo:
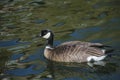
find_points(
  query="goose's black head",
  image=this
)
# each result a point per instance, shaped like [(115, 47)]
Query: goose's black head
[(47, 34)]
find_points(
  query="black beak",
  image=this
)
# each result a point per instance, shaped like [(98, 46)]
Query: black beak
[(38, 36)]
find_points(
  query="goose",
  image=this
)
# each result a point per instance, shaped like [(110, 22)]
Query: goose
[(72, 51)]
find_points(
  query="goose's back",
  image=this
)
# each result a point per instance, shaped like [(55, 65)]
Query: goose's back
[(81, 43)]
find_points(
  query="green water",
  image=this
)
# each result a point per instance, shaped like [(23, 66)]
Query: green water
[(21, 52)]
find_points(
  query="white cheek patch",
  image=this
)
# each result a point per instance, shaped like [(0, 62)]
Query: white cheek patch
[(95, 58), (47, 35)]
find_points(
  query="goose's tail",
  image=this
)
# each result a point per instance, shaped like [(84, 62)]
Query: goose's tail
[(109, 51)]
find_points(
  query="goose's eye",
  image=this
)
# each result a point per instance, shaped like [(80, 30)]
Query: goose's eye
[(45, 32)]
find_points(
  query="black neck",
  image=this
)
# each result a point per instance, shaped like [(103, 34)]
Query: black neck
[(50, 41)]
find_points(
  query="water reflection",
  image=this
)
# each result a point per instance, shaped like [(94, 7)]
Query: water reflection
[(11, 43), (25, 71), (40, 21), (81, 33), (59, 24), (17, 56), (4, 57), (81, 71)]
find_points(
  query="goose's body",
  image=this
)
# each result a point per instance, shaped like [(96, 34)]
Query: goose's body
[(73, 51)]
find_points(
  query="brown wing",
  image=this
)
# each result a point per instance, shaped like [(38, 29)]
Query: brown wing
[(79, 48), (71, 52), (94, 51), (67, 53)]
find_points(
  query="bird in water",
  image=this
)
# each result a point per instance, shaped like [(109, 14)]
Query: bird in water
[(72, 51)]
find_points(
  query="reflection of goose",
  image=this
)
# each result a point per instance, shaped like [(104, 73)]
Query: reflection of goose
[(73, 51)]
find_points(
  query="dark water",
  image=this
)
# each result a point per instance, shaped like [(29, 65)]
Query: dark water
[(21, 53)]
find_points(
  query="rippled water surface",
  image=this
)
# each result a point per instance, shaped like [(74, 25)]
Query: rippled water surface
[(21, 52)]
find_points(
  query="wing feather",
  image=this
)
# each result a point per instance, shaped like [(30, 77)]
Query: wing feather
[(75, 51), (82, 43), (79, 47)]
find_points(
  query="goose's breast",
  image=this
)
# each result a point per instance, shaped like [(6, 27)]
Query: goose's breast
[(47, 53)]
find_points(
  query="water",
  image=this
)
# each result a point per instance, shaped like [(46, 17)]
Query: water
[(21, 52)]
